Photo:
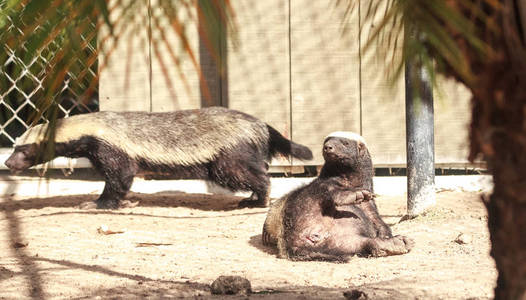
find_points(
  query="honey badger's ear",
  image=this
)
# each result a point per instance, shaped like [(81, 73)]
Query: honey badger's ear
[(362, 147)]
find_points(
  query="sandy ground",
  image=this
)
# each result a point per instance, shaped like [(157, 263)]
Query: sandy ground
[(176, 244)]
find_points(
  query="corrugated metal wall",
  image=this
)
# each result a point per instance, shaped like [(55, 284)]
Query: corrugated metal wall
[(295, 69)]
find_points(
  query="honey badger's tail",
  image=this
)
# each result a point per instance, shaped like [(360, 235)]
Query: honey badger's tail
[(280, 144)]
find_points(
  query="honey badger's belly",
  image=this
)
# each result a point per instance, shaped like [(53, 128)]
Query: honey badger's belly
[(199, 171)]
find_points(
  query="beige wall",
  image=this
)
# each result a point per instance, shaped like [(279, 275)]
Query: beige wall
[(452, 120), (124, 82), (258, 68), (294, 68), (324, 74)]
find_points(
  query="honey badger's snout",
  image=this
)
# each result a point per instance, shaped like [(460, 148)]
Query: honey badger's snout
[(9, 163), (333, 149), (328, 148), (16, 163)]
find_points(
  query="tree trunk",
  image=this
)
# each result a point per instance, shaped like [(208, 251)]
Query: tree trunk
[(498, 131), (507, 224)]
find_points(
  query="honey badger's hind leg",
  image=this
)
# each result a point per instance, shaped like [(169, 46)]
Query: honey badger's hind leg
[(245, 171), (260, 184), (256, 180), (118, 170), (258, 198)]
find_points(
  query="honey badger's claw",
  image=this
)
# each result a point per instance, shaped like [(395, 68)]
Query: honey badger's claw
[(363, 195), (367, 195), (409, 243), (359, 195), (88, 205), (350, 197)]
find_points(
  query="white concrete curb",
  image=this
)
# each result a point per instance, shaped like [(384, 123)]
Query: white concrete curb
[(390, 185)]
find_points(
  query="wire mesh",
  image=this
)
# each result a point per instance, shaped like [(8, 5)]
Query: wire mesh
[(22, 77)]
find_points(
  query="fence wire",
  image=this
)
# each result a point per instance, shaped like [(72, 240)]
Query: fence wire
[(22, 77)]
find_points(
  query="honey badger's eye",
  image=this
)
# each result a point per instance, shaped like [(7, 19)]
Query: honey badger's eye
[(26, 151), (345, 143)]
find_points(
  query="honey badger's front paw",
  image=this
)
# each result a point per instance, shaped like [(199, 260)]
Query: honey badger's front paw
[(353, 197), (364, 195)]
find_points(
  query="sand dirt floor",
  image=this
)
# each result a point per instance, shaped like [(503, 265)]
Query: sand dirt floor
[(175, 244)]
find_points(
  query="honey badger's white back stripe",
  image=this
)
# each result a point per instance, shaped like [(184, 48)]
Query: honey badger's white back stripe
[(184, 137), (347, 135)]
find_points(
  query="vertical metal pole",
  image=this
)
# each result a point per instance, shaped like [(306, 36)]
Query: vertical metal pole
[(419, 136)]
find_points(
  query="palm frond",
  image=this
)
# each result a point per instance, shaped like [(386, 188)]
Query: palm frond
[(62, 29), (76, 40), (440, 26)]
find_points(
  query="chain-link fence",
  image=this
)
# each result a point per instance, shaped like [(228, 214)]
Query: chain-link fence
[(22, 76)]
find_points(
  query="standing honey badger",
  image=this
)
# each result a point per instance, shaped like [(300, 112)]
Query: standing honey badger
[(225, 146), (335, 216)]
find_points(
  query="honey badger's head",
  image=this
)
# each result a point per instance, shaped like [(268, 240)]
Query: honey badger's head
[(29, 150), (23, 157), (345, 149)]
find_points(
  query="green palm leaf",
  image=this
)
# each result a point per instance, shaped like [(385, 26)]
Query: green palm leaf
[(439, 25), (61, 31)]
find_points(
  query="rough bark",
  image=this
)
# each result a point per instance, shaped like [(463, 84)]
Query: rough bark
[(498, 134), (499, 131)]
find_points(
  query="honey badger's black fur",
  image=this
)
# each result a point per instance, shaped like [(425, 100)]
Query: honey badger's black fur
[(335, 216), (218, 144)]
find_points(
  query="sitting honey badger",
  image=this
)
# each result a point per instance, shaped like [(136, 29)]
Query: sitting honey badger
[(225, 146), (335, 216)]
